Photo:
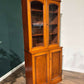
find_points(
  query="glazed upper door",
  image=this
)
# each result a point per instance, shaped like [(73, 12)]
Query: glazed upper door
[(37, 27), (53, 17)]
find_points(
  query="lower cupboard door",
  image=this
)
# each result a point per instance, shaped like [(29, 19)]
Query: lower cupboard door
[(55, 66), (41, 68)]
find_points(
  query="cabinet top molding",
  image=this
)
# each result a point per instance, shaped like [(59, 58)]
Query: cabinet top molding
[(47, 0), (57, 0)]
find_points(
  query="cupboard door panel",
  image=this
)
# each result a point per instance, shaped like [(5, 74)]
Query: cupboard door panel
[(55, 65), (41, 69), (41, 65)]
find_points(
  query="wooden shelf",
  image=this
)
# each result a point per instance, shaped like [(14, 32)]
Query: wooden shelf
[(42, 34), (37, 24), (41, 24), (52, 24), (37, 35), (54, 12), (37, 10), (52, 33)]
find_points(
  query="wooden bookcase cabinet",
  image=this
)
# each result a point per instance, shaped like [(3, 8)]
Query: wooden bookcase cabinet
[(43, 55)]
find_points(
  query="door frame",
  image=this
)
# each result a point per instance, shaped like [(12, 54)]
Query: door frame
[(30, 26), (57, 3)]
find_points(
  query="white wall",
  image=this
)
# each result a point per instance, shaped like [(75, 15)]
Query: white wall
[(72, 34)]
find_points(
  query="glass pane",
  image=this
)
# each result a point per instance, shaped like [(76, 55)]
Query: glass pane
[(37, 23), (53, 21)]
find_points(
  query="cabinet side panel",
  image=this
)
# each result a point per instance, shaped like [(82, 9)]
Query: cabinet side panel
[(28, 68), (25, 24)]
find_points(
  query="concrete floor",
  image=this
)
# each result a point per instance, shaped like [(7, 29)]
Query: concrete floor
[(68, 78)]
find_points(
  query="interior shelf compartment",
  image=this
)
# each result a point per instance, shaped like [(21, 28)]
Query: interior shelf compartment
[(34, 35), (53, 12), (52, 33), (37, 41), (53, 39)]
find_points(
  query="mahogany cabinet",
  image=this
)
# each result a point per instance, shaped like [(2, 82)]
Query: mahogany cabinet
[(43, 54)]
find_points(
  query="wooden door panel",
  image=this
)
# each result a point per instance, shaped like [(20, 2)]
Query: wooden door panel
[(41, 67), (55, 66)]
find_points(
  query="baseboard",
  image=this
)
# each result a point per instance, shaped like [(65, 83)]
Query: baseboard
[(12, 71), (74, 70)]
